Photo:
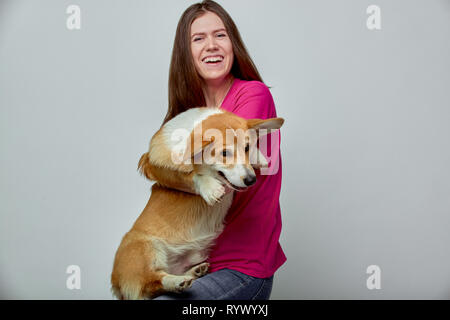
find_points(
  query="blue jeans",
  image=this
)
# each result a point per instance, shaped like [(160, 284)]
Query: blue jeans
[(225, 284)]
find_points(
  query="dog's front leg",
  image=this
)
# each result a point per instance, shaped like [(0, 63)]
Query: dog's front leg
[(209, 188), (205, 185)]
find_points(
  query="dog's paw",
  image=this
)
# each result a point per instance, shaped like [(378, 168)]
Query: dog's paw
[(209, 188), (175, 283), (199, 270), (184, 284)]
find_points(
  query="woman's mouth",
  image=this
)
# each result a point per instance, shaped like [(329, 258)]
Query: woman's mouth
[(213, 61)]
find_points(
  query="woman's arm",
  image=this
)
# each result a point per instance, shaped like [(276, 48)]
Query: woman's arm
[(254, 101)]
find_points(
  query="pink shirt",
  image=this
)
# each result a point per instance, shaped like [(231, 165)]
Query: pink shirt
[(250, 240)]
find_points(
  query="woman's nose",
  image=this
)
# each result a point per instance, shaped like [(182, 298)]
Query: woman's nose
[(211, 43)]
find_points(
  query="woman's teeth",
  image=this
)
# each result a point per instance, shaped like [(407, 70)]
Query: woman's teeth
[(213, 59)]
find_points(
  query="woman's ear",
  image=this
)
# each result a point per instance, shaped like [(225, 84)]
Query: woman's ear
[(270, 124), (144, 166)]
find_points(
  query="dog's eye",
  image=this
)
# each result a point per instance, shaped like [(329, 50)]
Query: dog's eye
[(225, 153), (247, 147)]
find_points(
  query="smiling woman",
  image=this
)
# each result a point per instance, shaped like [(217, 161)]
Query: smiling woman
[(211, 67), (206, 30), (213, 57)]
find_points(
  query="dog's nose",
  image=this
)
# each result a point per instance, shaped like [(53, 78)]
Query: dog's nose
[(250, 180)]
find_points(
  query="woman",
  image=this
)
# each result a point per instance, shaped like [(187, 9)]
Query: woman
[(211, 67)]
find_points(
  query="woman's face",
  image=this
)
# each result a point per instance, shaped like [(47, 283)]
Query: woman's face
[(211, 48)]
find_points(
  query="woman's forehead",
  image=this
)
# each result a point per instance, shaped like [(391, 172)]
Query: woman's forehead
[(209, 22)]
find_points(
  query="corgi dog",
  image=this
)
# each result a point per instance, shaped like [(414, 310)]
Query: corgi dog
[(168, 245)]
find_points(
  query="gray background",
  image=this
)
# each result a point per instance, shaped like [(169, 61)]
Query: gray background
[(365, 144)]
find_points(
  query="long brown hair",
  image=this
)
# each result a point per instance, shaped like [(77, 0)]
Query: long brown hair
[(185, 84)]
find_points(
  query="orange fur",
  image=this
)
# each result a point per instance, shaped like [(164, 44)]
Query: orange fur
[(169, 217)]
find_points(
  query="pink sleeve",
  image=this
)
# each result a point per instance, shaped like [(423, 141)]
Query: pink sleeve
[(254, 100)]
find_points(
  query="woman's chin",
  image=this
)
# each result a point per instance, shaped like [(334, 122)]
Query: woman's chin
[(214, 76)]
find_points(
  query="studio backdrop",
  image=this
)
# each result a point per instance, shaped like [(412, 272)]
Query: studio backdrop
[(363, 87)]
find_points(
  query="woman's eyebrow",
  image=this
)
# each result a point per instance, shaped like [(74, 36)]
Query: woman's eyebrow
[(203, 33)]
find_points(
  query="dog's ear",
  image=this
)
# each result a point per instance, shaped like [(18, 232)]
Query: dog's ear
[(144, 166), (196, 149), (257, 159), (270, 124)]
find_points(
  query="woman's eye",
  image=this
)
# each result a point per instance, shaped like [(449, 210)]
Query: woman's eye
[(221, 35), (196, 39)]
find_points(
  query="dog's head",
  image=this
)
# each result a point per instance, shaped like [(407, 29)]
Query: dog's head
[(227, 145)]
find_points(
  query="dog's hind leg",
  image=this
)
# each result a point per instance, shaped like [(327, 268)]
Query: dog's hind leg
[(176, 283), (198, 270)]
